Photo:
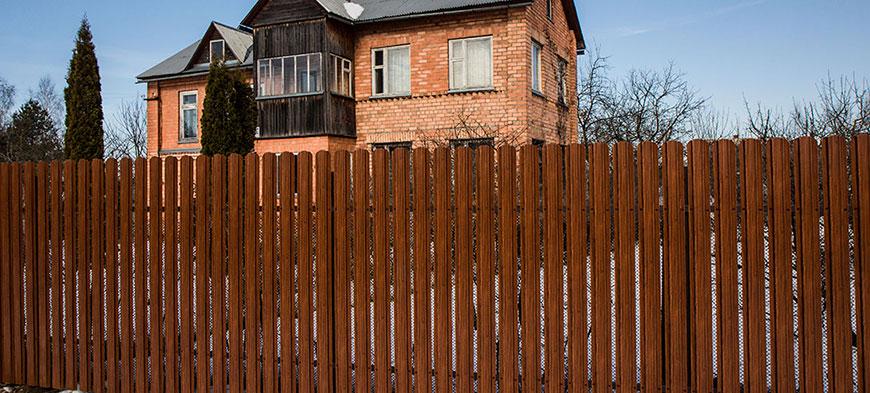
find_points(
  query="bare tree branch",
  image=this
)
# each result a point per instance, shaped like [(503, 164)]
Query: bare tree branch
[(126, 132)]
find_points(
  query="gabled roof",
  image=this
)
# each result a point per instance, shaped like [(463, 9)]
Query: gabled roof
[(381, 10), (239, 42)]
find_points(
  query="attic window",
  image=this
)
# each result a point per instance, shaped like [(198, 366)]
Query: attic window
[(217, 50), (550, 10)]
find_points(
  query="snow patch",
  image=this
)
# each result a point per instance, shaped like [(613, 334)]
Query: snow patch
[(354, 10)]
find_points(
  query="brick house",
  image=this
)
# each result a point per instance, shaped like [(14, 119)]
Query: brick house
[(334, 74)]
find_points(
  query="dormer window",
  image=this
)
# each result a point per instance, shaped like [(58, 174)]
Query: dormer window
[(217, 51)]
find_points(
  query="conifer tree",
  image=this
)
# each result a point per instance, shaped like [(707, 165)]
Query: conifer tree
[(84, 104), (31, 136), (229, 113)]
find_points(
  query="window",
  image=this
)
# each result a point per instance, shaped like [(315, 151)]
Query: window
[(217, 51), (390, 146), (282, 76), (563, 81), (536, 66), (342, 76), (189, 119), (471, 63), (550, 10), (473, 143), (391, 71)]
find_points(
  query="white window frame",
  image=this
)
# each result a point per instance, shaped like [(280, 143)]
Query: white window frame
[(340, 65), (211, 52), (550, 10), (386, 69), (307, 80), (537, 75), (182, 107), (455, 61)]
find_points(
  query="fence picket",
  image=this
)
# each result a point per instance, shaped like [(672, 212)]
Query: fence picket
[(486, 272), (381, 270), (624, 242), (6, 365), (270, 382), (251, 247), (700, 265), (401, 268), (577, 252), (861, 209), (235, 196), (139, 272), (422, 272), (599, 195), (341, 248), (29, 262), (303, 176), (57, 359), (170, 267), (218, 259), (725, 175), (110, 179), (203, 247), (836, 195), (125, 243), (752, 220), (324, 273), (530, 306), (186, 274), (676, 273), (554, 339), (649, 231), (441, 312), (287, 180), (84, 294), (463, 273), (782, 308), (41, 276)]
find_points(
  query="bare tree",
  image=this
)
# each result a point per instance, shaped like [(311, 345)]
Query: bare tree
[(126, 134), (48, 97), (647, 105), (468, 130), (764, 123), (842, 108), (711, 124), (7, 102)]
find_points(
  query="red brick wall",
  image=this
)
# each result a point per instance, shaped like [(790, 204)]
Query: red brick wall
[(163, 113)]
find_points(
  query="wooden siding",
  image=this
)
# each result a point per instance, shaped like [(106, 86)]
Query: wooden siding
[(279, 11)]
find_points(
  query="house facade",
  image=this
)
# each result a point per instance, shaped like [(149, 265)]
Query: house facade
[(338, 75)]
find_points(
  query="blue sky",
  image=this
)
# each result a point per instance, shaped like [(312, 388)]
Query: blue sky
[(773, 51)]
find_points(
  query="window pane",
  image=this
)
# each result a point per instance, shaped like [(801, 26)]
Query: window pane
[(188, 99), (479, 63), (278, 80), (399, 69), (190, 123), (536, 66), (217, 50), (379, 81), (301, 74), (265, 83), (379, 57), (345, 82), (314, 74), (290, 75)]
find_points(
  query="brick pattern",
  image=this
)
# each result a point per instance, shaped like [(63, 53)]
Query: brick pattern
[(432, 113)]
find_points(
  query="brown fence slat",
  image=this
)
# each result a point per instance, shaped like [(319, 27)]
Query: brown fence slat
[(700, 265), (252, 273), (324, 273), (30, 261), (5, 278), (303, 176), (530, 269), (219, 196), (110, 179), (186, 297), (96, 299), (16, 284), (170, 267), (341, 252), (287, 178), (422, 272), (125, 243), (782, 307), (155, 240), (70, 373), (139, 272), (42, 275), (624, 242), (401, 267), (203, 177), (752, 221), (553, 249), (57, 354), (362, 333), (599, 191), (464, 271), (575, 194), (861, 210), (235, 196), (838, 307), (725, 180), (380, 232), (507, 230), (270, 383), (649, 232), (83, 244), (676, 274), (441, 313), (486, 272)]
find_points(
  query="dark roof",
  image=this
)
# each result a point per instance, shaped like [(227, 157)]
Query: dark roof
[(180, 64), (380, 10)]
